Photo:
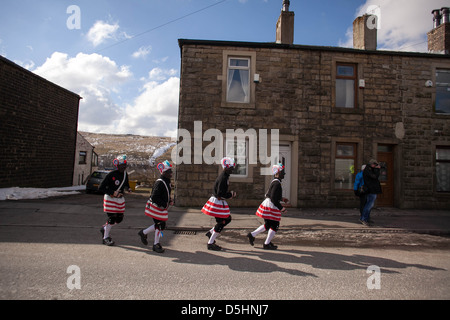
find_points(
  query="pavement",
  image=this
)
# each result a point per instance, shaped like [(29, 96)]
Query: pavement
[(303, 226), (392, 227)]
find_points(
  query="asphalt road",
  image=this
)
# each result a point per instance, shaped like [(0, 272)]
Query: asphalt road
[(47, 263), (51, 250)]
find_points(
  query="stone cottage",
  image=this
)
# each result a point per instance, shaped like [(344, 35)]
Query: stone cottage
[(86, 161), (331, 110)]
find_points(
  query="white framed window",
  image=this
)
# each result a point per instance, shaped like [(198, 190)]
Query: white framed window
[(238, 80), (238, 150), (345, 160), (346, 76)]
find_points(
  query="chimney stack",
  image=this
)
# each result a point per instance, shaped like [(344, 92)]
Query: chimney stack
[(439, 36), (285, 25), (365, 32)]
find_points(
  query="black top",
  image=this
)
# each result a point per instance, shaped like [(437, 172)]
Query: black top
[(371, 182), (159, 193), (112, 181), (275, 193), (221, 186)]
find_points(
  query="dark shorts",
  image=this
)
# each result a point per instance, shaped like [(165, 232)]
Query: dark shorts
[(221, 223), (159, 224), (271, 224), (114, 218)]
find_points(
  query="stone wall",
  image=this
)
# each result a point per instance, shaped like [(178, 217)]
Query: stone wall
[(38, 129), (296, 95)]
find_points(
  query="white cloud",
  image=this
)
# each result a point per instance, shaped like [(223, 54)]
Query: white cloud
[(28, 64), (94, 78), (155, 110), (142, 52), (158, 74), (97, 79), (102, 31), (404, 23)]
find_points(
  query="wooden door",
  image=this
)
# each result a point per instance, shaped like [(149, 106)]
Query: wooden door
[(386, 160)]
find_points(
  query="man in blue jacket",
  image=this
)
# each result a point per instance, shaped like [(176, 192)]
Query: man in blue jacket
[(373, 187), (359, 192)]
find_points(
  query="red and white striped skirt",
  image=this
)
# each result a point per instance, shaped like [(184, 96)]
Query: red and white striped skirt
[(113, 205), (216, 208), (267, 210), (155, 212)]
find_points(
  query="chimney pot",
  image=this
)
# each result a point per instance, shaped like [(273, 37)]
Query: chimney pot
[(436, 17), (286, 4), (445, 14)]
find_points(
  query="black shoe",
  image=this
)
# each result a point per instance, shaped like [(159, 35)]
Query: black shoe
[(251, 238), (270, 246), (108, 241), (143, 237), (157, 248), (214, 247)]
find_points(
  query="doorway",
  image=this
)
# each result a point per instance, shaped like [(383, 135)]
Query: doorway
[(386, 160)]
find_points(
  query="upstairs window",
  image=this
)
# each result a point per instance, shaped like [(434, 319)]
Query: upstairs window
[(82, 157), (346, 85), (442, 91), (238, 80)]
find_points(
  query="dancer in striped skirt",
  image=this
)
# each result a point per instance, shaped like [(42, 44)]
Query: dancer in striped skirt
[(217, 206), (271, 209), (113, 187), (157, 206)]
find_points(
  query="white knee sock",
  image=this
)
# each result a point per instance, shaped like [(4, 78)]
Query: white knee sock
[(107, 228), (213, 237), (157, 236), (149, 229), (270, 236), (260, 229)]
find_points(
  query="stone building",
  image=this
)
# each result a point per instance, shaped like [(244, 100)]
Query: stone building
[(86, 161), (333, 110), (38, 129)]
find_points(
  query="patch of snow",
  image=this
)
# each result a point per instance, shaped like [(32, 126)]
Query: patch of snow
[(16, 193)]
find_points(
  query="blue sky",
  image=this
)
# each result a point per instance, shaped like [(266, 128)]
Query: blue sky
[(124, 60)]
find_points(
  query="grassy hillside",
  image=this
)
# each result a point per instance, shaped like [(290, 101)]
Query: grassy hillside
[(143, 153)]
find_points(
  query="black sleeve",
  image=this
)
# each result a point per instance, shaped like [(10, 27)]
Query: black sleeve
[(106, 183)]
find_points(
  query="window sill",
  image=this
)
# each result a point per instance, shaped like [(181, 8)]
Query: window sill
[(238, 105), (442, 194), (348, 110)]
